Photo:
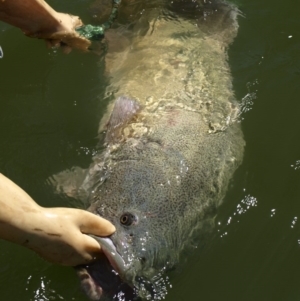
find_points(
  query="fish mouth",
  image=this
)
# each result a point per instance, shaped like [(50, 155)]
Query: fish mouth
[(107, 278), (115, 259)]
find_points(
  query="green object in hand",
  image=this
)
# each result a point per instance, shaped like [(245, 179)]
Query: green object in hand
[(94, 33), (91, 32)]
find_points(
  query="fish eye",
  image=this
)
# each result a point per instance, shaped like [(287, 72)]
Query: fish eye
[(127, 219)]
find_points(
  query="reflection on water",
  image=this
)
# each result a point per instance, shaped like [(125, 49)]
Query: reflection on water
[(294, 221), (273, 211), (296, 165), (42, 292), (50, 107), (247, 101), (247, 203), (159, 286)]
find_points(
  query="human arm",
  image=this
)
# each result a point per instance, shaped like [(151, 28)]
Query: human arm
[(56, 234), (37, 19)]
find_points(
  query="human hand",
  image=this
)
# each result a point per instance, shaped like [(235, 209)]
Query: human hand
[(61, 236), (65, 35), (38, 20)]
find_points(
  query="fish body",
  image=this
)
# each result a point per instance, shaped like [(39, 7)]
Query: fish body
[(172, 143)]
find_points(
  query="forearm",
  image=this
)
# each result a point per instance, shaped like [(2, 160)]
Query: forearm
[(19, 214), (31, 16)]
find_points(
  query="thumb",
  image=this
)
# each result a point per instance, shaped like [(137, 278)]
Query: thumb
[(94, 224)]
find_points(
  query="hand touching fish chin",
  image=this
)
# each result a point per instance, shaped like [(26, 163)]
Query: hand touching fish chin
[(57, 234), (60, 236)]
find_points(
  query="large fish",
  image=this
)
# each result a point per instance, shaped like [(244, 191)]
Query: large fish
[(172, 143)]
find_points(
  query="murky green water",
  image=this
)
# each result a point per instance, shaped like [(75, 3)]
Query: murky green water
[(50, 108)]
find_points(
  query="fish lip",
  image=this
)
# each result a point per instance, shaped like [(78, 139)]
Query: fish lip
[(110, 251), (124, 273), (117, 281), (100, 282)]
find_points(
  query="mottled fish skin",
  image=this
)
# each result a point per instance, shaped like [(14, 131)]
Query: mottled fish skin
[(173, 140)]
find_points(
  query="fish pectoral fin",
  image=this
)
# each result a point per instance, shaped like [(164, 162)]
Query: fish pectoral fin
[(69, 182), (123, 112)]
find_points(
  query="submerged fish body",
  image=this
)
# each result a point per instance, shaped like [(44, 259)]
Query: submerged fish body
[(173, 141)]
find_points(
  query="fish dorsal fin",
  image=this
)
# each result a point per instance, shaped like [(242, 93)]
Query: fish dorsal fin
[(124, 110)]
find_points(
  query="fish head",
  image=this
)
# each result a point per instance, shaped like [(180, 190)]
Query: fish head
[(134, 198)]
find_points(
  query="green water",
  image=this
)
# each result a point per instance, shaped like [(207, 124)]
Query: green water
[(50, 108)]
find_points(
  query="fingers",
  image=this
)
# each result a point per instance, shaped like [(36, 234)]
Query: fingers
[(65, 35), (94, 224), (89, 250), (72, 244), (66, 49), (72, 250), (67, 40), (77, 42), (91, 246), (76, 21)]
